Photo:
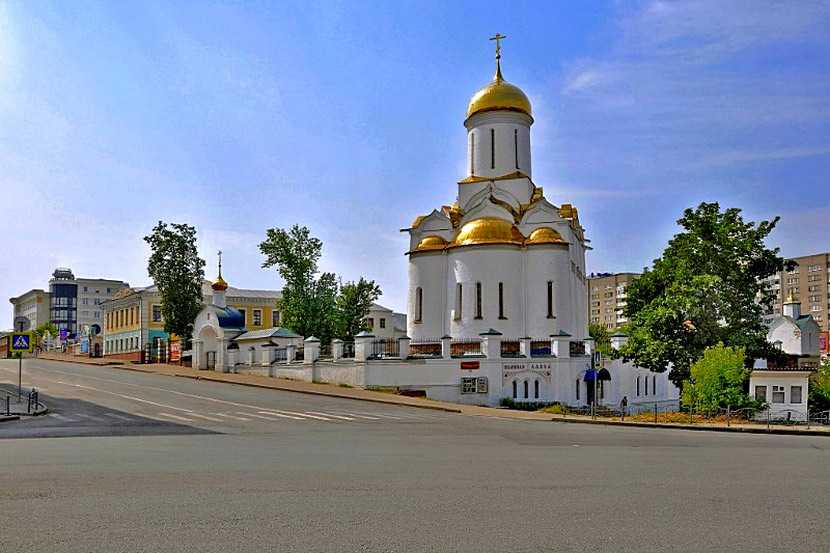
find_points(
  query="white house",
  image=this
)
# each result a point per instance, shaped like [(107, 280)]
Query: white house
[(784, 383)]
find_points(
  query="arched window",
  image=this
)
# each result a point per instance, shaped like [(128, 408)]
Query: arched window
[(492, 148), (501, 301), (526, 389), (516, 146), (550, 299), (536, 389), (459, 294), (515, 390), (478, 300), (419, 304)]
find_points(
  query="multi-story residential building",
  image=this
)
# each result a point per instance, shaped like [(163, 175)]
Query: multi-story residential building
[(133, 319), (808, 283), (34, 305), (385, 323), (75, 303), (607, 297)]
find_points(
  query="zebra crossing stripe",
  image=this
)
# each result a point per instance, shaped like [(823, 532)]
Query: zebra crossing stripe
[(176, 417), (272, 419), (367, 417), (231, 416), (281, 415), (61, 417), (298, 415), (117, 416)]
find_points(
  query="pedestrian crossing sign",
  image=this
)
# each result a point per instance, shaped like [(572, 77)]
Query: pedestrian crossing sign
[(21, 342)]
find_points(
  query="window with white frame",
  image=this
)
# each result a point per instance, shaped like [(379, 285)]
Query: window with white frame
[(257, 317), (760, 393), (778, 394), (795, 394)]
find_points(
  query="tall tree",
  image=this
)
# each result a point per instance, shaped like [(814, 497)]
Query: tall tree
[(353, 305), (707, 288), (602, 338), (308, 301), (178, 272)]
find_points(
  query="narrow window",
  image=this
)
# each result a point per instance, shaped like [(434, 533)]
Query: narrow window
[(492, 148), (382, 322), (761, 393), (536, 389), (526, 386), (257, 317), (654, 384), (371, 322), (516, 146), (550, 299), (501, 301), (478, 300), (638, 386), (515, 390), (419, 304), (472, 153), (646, 379), (795, 394), (459, 289), (577, 389)]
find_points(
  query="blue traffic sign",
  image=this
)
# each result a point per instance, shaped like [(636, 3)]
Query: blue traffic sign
[(21, 341)]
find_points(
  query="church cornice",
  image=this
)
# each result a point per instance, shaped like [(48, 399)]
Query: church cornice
[(510, 176)]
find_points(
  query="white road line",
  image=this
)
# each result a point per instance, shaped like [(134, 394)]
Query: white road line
[(231, 416), (61, 417), (85, 416), (175, 417), (341, 417), (281, 415), (117, 416), (272, 419), (133, 398), (294, 414), (385, 416), (360, 416), (214, 419)]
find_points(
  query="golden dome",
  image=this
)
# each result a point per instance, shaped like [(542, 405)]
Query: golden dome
[(219, 284), (545, 235), (499, 95), (488, 230), (431, 243)]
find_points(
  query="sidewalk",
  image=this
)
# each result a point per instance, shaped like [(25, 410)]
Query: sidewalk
[(330, 390)]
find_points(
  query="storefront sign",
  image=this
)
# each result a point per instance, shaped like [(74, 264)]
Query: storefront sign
[(540, 368), (469, 365)]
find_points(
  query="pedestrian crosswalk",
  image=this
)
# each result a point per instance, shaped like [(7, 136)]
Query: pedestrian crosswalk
[(250, 416)]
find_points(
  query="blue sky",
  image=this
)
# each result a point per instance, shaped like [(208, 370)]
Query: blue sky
[(347, 117)]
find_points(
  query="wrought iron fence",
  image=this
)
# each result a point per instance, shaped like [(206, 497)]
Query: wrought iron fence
[(511, 347), (325, 351), (348, 350), (384, 348), (280, 355), (465, 348), (540, 348), (425, 347), (299, 354), (577, 348)]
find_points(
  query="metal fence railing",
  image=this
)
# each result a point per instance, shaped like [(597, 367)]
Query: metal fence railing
[(540, 348), (325, 351), (348, 350), (425, 347), (384, 348), (577, 348), (280, 355), (470, 347), (299, 354), (511, 347)]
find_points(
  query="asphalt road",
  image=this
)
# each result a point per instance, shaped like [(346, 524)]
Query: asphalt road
[(136, 462)]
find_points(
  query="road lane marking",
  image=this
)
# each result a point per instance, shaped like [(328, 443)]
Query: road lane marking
[(175, 417), (281, 415), (361, 416), (214, 419), (231, 416), (85, 416), (272, 419), (117, 416), (341, 417), (133, 398), (61, 417)]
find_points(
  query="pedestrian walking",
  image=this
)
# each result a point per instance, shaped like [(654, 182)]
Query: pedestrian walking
[(623, 406)]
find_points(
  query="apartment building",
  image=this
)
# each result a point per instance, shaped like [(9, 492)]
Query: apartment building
[(34, 305), (808, 283), (607, 295)]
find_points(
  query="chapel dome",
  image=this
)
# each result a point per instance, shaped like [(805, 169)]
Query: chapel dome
[(432, 242), (498, 94), (488, 230), (219, 284), (545, 235)]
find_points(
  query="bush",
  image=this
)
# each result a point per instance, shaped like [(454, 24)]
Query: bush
[(718, 381), (510, 403)]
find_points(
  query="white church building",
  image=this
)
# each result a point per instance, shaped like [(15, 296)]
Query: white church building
[(497, 291)]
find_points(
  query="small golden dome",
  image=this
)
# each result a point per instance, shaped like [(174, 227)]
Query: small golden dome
[(219, 284), (488, 230), (431, 243), (545, 235), (499, 95)]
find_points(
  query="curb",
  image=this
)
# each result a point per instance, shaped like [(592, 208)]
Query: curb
[(699, 428), (8, 418)]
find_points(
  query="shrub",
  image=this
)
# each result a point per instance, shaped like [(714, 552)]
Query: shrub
[(718, 380)]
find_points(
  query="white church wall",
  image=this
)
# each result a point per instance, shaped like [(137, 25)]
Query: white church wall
[(427, 271), (788, 333), (549, 263), (504, 123)]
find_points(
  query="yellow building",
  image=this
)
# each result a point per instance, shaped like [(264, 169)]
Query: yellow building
[(133, 321)]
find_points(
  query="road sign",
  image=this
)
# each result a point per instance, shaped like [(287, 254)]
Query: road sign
[(63, 334), (22, 342), (22, 324)]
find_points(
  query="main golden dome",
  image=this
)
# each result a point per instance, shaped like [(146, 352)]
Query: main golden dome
[(498, 94), (488, 230)]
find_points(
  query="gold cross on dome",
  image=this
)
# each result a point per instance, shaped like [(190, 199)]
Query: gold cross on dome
[(220, 262), (498, 37)]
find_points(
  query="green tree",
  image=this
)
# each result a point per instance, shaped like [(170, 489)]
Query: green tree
[(819, 398), (353, 304), (308, 303), (49, 327), (178, 272), (718, 380), (602, 338), (707, 288)]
